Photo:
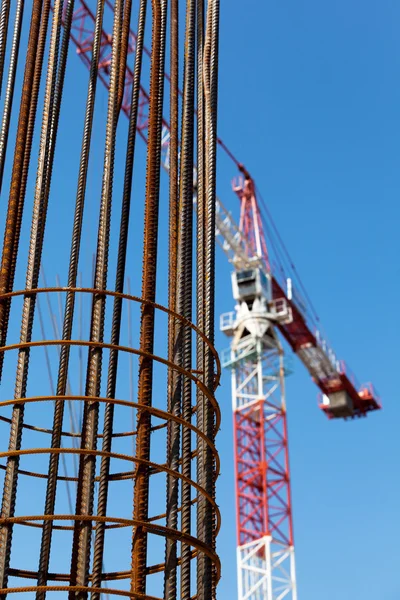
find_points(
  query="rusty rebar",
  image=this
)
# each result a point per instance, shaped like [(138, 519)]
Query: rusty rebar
[(173, 391), (62, 379), (185, 282), (201, 244), (190, 361), (125, 34), (5, 125), (17, 218), (4, 17), (149, 275), (10, 482), (14, 211), (80, 564), (52, 104), (206, 581), (119, 285), (52, 101)]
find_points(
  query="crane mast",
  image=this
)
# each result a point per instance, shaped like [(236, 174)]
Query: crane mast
[(267, 303), (265, 550)]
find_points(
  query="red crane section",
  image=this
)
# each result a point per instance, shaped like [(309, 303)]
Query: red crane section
[(262, 474), (342, 396), (82, 35), (332, 377), (250, 224)]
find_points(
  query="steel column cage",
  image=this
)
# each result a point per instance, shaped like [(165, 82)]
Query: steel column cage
[(121, 500)]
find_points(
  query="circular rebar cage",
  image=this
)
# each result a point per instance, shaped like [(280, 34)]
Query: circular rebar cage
[(66, 486), (107, 412)]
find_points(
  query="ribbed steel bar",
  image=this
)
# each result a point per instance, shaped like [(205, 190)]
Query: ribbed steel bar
[(173, 391), (141, 491), (206, 577), (5, 125), (14, 216), (125, 33), (62, 380), (131, 385), (186, 357), (119, 284), (52, 104), (38, 223), (4, 17), (201, 269), (80, 564), (185, 281), (14, 211), (209, 366)]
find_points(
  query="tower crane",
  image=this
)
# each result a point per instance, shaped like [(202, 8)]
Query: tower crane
[(268, 307), (265, 306)]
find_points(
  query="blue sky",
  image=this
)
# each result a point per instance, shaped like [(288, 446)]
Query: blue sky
[(309, 102), (309, 96)]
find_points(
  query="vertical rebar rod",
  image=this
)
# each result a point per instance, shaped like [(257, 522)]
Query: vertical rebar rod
[(173, 390), (125, 33), (38, 223), (185, 283), (16, 197), (85, 496), (4, 16), (130, 344), (62, 380), (210, 331), (51, 113), (117, 309), (200, 279), (80, 351), (16, 219), (5, 125), (206, 578), (52, 104), (141, 491)]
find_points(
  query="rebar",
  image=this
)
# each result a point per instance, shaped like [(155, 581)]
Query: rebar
[(185, 277), (80, 564), (70, 300), (16, 219), (168, 456), (173, 390), (22, 148), (149, 275), (10, 482), (5, 125), (52, 102), (206, 581), (4, 17), (119, 285)]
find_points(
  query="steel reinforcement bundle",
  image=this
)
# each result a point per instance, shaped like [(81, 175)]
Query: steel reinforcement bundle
[(107, 378)]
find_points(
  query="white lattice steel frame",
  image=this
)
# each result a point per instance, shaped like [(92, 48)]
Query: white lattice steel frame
[(265, 553)]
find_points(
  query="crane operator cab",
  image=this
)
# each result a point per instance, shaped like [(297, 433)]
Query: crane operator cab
[(252, 291), (251, 284)]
